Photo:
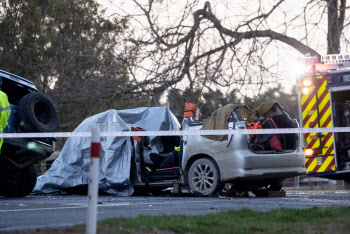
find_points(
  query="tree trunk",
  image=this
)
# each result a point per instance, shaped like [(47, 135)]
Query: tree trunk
[(336, 15)]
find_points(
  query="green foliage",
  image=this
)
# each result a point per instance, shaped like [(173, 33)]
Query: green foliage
[(216, 99), (67, 48)]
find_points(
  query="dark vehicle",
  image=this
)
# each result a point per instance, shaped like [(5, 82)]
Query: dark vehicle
[(31, 111)]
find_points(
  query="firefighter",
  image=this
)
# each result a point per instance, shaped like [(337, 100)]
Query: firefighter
[(5, 111)]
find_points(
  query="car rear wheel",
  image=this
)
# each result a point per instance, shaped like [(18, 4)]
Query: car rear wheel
[(19, 183), (203, 177), (37, 113)]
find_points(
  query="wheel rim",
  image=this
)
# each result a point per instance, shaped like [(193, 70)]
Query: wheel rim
[(203, 178)]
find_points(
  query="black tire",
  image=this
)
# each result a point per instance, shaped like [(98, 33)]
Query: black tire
[(37, 113), (19, 184), (203, 177)]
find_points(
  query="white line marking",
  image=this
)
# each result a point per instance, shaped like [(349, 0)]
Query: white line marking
[(113, 204), (37, 209)]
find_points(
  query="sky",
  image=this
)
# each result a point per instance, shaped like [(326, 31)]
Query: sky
[(288, 18)]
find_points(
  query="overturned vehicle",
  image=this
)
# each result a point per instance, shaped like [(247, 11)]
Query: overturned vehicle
[(31, 111), (201, 163)]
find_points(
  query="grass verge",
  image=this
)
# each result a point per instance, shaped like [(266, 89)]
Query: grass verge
[(315, 220)]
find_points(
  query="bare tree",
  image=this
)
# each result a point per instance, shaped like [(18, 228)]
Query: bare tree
[(87, 62), (336, 19), (204, 48)]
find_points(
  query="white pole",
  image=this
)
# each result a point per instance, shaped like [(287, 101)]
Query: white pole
[(91, 222)]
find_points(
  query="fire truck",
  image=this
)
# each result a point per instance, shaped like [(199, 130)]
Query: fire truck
[(324, 102)]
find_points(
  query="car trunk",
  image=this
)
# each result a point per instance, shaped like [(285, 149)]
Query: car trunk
[(268, 115), (272, 115)]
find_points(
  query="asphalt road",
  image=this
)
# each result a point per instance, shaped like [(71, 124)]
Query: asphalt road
[(58, 211)]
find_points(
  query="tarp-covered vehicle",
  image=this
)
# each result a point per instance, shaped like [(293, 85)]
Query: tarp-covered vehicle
[(70, 171), (31, 111), (204, 163)]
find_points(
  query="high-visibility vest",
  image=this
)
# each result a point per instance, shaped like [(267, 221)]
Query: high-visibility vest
[(5, 111)]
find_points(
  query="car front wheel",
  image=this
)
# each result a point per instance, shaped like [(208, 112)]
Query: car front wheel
[(203, 177)]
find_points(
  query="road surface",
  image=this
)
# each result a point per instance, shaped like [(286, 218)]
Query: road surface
[(34, 212)]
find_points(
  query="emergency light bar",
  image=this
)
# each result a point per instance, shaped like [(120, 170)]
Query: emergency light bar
[(335, 59), (328, 62), (308, 60)]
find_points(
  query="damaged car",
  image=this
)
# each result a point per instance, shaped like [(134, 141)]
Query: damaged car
[(203, 164), (254, 163)]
